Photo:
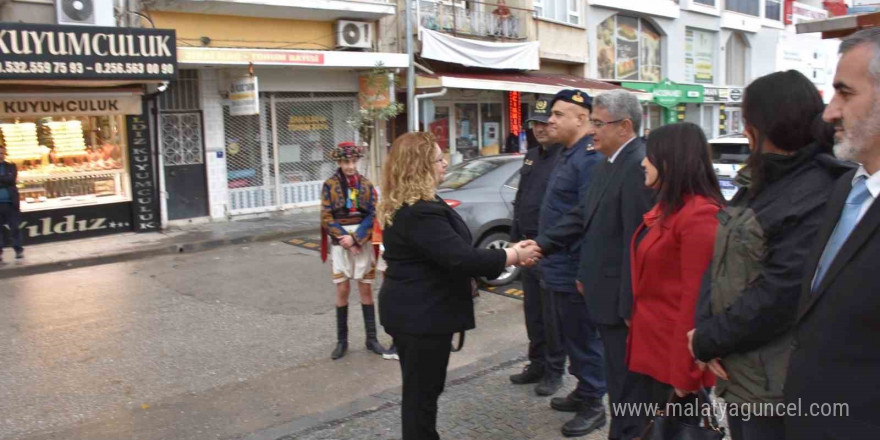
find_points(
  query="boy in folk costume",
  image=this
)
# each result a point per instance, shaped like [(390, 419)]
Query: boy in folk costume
[(348, 202)]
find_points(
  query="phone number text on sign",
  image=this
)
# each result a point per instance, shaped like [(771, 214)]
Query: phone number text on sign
[(100, 68)]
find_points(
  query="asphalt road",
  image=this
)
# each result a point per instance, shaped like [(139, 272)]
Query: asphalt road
[(221, 344)]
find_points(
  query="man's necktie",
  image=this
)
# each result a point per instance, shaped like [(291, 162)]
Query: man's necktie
[(848, 220)]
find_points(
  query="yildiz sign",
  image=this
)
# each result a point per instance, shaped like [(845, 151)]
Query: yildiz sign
[(39, 51)]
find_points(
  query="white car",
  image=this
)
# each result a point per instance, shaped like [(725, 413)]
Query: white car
[(729, 154)]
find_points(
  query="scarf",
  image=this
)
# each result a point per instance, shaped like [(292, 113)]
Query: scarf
[(351, 186)]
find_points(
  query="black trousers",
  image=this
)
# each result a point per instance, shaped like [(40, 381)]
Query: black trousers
[(614, 342), (756, 428), (10, 217), (545, 337), (423, 362), (643, 389)]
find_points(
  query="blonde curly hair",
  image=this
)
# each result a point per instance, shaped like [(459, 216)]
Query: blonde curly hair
[(408, 175)]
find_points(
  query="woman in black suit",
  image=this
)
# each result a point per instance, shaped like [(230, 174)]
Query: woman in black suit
[(426, 296)]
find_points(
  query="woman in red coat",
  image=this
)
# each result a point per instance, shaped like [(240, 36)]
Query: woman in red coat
[(670, 252)]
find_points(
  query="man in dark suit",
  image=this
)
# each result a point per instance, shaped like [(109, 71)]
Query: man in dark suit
[(835, 356), (10, 214), (605, 221), (546, 354)]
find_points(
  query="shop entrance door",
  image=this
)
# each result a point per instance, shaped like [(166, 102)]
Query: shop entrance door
[(183, 153)]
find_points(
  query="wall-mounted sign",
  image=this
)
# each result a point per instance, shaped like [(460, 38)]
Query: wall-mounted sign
[(40, 51), (699, 56), (374, 93), (795, 13), (145, 200), (736, 95), (69, 223), (514, 109), (308, 123), (710, 94), (244, 97), (245, 56), (85, 105), (669, 94)]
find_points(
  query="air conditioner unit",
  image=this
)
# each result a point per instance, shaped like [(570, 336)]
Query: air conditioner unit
[(354, 34), (85, 12)]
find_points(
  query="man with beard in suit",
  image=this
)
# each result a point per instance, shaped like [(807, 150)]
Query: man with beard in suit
[(835, 356)]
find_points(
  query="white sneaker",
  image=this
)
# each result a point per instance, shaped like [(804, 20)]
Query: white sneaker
[(391, 353)]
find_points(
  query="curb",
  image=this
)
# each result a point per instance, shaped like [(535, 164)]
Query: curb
[(390, 398), (150, 251)]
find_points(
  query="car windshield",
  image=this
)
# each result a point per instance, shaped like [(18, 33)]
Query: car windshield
[(730, 152), (463, 173)]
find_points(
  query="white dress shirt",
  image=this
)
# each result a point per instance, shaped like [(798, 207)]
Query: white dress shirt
[(611, 160), (873, 184)]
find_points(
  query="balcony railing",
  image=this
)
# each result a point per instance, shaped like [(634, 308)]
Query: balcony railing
[(477, 19)]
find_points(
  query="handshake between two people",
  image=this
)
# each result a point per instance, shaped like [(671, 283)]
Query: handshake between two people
[(526, 253)]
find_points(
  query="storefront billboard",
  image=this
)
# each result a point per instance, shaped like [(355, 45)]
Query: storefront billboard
[(52, 52)]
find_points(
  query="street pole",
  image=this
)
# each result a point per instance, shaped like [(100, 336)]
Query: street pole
[(410, 71)]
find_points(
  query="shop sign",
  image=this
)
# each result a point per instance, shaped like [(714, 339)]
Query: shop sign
[(244, 97), (711, 94), (699, 56), (145, 200), (375, 96), (41, 51), (245, 56), (669, 94), (308, 123), (795, 13), (79, 222), (515, 111), (736, 95), (85, 105)]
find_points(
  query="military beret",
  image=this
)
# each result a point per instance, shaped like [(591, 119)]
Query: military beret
[(575, 97)]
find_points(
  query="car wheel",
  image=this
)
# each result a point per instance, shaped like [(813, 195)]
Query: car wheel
[(499, 240)]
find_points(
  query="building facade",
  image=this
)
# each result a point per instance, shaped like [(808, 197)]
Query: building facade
[(266, 90), (77, 93), (700, 54)]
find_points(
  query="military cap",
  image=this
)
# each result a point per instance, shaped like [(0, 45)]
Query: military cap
[(575, 97), (541, 110)]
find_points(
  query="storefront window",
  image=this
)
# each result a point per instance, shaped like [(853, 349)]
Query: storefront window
[(653, 117), (699, 56), (68, 161), (734, 120), (438, 124), (490, 143), (709, 121), (736, 51), (629, 49), (467, 128)]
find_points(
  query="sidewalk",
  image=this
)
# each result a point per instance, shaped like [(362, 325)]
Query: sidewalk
[(479, 403), (50, 257)]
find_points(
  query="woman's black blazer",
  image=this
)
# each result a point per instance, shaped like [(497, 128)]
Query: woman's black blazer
[(431, 261)]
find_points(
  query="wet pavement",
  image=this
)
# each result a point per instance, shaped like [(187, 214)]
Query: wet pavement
[(477, 405), (224, 344)]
